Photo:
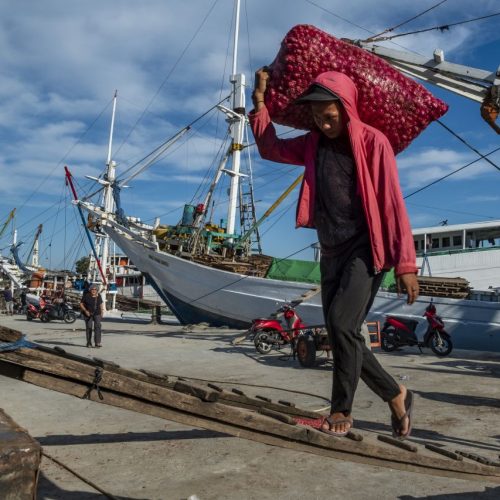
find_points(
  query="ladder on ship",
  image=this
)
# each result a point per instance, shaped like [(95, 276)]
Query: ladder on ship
[(248, 216)]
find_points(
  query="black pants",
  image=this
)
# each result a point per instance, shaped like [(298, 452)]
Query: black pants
[(349, 286), (95, 322)]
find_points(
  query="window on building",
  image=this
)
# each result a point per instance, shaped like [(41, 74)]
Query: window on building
[(457, 241), (435, 242), (446, 242), (416, 245)]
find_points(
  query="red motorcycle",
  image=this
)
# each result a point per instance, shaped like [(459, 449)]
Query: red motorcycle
[(34, 311), (272, 332), (398, 332)]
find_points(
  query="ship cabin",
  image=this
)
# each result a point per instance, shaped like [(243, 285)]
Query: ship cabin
[(457, 238)]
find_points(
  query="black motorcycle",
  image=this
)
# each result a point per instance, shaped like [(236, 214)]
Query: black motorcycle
[(62, 311)]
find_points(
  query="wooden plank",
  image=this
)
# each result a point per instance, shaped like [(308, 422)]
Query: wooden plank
[(231, 398), (443, 451), (278, 416), (325, 448), (478, 458), (146, 393), (9, 335), (118, 383), (405, 445), (20, 457), (196, 390)]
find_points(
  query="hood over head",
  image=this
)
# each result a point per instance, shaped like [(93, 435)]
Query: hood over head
[(342, 87)]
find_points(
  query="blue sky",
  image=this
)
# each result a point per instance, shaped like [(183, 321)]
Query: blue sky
[(170, 61)]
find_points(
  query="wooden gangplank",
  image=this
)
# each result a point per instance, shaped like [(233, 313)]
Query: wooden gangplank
[(229, 412), (20, 457)]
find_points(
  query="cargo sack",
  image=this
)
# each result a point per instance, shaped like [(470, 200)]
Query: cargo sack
[(387, 100)]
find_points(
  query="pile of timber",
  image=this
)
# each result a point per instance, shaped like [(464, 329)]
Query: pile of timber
[(74, 298), (124, 303), (253, 265), (453, 288), (228, 411)]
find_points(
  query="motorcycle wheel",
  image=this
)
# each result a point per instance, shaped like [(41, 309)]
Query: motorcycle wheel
[(306, 351), (442, 348), (69, 317), (387, 339), (29, 317), (44, 318), (263, 342)]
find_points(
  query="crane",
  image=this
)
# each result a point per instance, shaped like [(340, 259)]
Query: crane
[(33, 253), (9, 218), (477, 84)]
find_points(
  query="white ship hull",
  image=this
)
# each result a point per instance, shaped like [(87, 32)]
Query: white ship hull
[(197, 293), (479, 267)]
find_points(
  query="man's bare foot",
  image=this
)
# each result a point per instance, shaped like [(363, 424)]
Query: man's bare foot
[(337, 422), (397, 406)]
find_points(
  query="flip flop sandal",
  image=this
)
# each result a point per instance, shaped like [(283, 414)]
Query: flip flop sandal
[(397, 423), (315, 423), (331, 423)]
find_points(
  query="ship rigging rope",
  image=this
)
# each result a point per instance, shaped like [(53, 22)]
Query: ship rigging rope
[(79, 476), (278, 216), (64, 157), (356, 25), (448, 210), (187, 127), (388, 30), (451, 173), (169, 74), (208, 172), (443, 27), (467, 144)]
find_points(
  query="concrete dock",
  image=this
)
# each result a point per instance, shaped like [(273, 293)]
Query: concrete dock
[(134, 456)]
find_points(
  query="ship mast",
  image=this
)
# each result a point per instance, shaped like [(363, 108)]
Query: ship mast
[(102, 240), (237, 125)]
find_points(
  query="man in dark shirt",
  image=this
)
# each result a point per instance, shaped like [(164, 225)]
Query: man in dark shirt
[(22, 296), (92, 308), (9, 301), (352, 197)]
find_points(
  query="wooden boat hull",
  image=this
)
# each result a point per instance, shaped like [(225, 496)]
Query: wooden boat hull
[(197, 293)]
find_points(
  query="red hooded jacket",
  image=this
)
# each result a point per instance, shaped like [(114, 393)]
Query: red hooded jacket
[(378, 183)]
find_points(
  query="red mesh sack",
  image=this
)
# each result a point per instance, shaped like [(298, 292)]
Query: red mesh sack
[(387, 100)]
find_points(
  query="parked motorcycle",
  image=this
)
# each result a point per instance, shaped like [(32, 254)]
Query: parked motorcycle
[(32, 311), (272, 332), (63, 311), (398, 332)]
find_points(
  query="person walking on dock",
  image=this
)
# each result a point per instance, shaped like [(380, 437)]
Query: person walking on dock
[(351, 194), (92, 308), (9, 300)]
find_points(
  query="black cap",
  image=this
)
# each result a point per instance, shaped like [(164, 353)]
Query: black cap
[(316, 93)]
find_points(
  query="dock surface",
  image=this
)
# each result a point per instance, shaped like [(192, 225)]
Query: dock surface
[(135, 456)]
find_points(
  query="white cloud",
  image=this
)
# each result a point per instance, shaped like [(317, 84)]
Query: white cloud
[(430, 164), (62, 61), (482, 199)]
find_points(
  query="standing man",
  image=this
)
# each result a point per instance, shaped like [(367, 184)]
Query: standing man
[(9, 300), (92, 308), (22, 296), (351, 195)]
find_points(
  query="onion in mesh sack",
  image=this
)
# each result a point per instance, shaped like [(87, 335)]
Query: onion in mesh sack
[(387, 100)]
